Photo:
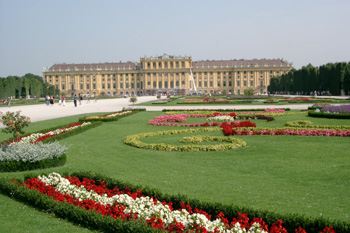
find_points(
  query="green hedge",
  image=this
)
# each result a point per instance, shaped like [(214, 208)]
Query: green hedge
[(88, 219), (328, 115), (13, 166), (96, 221)]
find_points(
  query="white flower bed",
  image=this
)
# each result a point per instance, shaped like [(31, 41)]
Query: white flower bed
[(35, 136), (25, 151), (221, 118), (143, 206)]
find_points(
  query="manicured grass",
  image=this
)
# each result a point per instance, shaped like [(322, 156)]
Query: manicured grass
[(285, 174)]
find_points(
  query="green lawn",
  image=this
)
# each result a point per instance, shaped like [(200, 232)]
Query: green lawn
[(285, 174)]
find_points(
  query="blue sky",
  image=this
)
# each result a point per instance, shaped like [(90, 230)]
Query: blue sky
[(39, 33)]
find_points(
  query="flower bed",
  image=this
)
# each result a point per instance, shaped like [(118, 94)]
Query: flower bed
[(103, 202), (133, 140), (109, 117), (178, 119), (227, 131), (38, 137), (29, 153), (341, 109)]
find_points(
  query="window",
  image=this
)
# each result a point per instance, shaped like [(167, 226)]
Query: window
[(171, 64), (149, 83), (132, 85), (238, 83), (177, 64), (121, 85), (109, 86), (114, 85), (245, 83), (166, 84), (63, 86), (182, 64), (148, 65), (126, 85), (261, 83), (81, 86), (200, 84), (171, 84), (103, 86), (94, 85), (219, 83), (160, 84), (154, 84), (205, 84), (211, 83), (159, 65), (56, 86), (177, 83), (87, 86), (251, 83), (138, 85), (251, 72), (154, 65), (183, 82), (72, 86), (224, 83)]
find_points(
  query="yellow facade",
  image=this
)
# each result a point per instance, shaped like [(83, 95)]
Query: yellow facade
[(166, 74)]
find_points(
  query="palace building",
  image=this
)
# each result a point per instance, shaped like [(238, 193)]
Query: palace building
[(166, 74)]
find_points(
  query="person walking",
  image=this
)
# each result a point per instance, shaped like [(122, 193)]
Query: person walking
[(60, 101), (88, 98), (51, 100), (64, 101), (80, 99), (75, 100)]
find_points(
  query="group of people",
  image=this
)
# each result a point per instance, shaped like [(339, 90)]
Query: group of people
[(62, 100), (50, 100)]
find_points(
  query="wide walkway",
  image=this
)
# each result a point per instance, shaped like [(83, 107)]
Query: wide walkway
[(42, 112)]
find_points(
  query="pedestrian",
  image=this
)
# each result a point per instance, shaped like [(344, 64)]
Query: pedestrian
[(51, 100), (88, 98), (80, 99), (47, 99), (8, 101), (95, 96), (75, 100), (60, 101), (64, 101)]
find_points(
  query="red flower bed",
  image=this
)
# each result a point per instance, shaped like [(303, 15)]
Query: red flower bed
[(117, 210)]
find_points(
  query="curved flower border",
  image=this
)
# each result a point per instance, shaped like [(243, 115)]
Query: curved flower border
[(133, 140)]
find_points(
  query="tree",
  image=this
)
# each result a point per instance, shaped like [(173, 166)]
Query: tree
[(249, 92), (133, 99)]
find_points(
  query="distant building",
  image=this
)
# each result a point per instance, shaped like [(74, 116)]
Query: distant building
[(166, 74)]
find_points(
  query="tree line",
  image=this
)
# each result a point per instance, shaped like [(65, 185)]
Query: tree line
[(27, 85), (333, 78)]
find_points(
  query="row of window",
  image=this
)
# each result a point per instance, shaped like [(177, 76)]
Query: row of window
[(165, 65), (165, 73)]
